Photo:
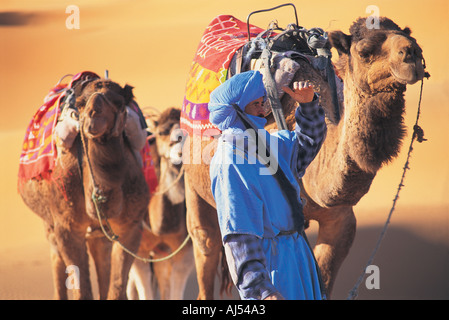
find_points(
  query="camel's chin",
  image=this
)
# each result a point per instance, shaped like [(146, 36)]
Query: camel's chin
[(92, 135), (407, 81), (411, 78), (412, 81)]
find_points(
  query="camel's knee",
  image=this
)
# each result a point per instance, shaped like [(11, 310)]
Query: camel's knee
[(206, 240), (337, 224), (345, 222)]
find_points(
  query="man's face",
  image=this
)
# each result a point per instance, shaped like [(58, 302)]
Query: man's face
[(257, 108)]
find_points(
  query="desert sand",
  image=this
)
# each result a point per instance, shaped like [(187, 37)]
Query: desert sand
[(150, 45)]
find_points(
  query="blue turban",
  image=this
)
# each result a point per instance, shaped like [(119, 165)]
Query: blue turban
[(241, 89)]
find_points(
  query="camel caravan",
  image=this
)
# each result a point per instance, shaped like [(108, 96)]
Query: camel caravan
[(130, 189)]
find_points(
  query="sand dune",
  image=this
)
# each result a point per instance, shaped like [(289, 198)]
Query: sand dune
[(150, 45)]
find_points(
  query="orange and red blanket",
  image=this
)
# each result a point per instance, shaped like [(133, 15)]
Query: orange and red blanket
[(39, 148), (222, 38)]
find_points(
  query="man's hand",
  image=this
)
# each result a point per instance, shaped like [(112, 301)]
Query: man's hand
[(302, 91), (275, 296)]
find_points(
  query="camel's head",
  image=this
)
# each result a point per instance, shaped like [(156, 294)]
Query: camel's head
[(169, 140), (102, 104), (378, 57), (168, 135)]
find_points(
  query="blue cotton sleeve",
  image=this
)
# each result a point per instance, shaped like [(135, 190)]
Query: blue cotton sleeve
[(311, 131), (247, 265)]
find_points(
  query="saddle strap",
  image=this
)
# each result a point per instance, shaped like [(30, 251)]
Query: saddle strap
[(238, 61), (271, 162)]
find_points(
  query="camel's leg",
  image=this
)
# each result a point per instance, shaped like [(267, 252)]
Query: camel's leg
[(139, 282), (72, 248), (58, 270), (131, 287), (337, 227), (100, 250), (163, 273), (183, 264), (172, 274), (121, 261), (202, 224)]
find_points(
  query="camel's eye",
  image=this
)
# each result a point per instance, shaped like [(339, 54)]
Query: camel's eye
[(164, 131)]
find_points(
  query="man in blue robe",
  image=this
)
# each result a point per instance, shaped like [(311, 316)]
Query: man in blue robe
[(267, 255)]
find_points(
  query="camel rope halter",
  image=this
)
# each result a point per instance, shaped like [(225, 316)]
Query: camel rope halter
[(97, 199)]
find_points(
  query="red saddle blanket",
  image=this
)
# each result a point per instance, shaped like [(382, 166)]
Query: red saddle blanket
[(221, 39), (39, 148), (39, 152)]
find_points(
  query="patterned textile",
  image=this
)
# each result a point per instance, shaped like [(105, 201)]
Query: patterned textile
[(148, 168), (39, 150), (222, 38), (248, 266), (39, 153)]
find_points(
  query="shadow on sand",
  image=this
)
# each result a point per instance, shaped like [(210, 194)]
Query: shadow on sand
[(410, 267)]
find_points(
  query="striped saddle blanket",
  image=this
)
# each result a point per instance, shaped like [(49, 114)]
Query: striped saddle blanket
[(221, 39), (39, 152)]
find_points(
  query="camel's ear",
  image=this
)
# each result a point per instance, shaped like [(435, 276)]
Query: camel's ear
[(340, 41), (407, 31), (152, 125), (128, 94)]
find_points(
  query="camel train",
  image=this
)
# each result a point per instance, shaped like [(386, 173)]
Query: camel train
[(94, 184)]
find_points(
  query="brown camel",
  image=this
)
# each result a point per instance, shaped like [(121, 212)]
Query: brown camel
[(375, 65), (66, 206), (167, 217)]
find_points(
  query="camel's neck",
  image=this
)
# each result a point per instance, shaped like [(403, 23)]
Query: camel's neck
[(171, 184), (167, 209), (105, 174), (107, 161), (368, 135), (372, 126)]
